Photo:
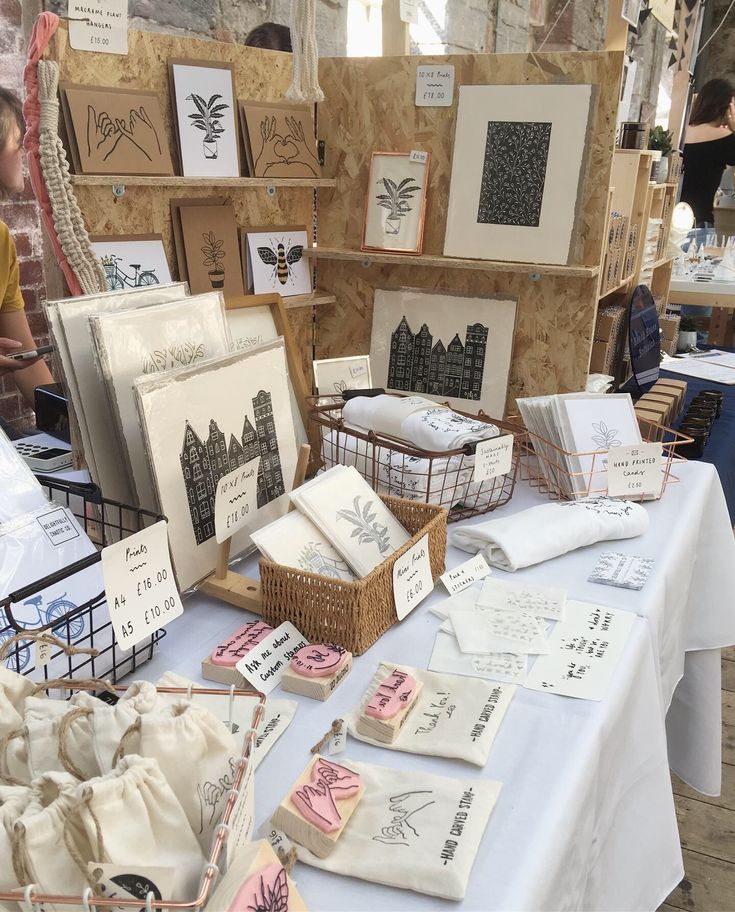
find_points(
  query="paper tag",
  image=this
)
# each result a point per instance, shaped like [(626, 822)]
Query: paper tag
[(115, 881), (264, 664), (634, 469), (58, 526), (412, 580), (493, 457), (435, 86), (338, 741), (236, 500), (100, 26), (242, 816), (409, 11), (139, 584), (418, 156), (467, 573), (43, 654), (278, 839)]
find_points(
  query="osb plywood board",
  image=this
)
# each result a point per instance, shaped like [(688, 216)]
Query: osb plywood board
[(554, 320)]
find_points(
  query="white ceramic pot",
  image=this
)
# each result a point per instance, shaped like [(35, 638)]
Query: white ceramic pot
[(686, 340), (662, 170)]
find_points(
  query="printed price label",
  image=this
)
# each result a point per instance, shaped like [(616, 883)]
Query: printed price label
[(139, 584), (278, 840), (236, 501), (338, 741), (418, 156), (467, 573), (101, 26), (58, 526), (493, 457), (408, 10), (412, 580), (435, 86), (264, 664), (634, 470), (43, 654)]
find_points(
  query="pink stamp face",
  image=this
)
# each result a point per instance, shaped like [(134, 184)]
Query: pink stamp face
[(267, 889), (393, 695), (318, 660), (317, 803), (241, 642)]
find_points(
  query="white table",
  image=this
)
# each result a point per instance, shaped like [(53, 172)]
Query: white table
[(717, 293)]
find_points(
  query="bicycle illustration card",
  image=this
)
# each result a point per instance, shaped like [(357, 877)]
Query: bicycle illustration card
[(132, 260), (279, 140), (115, 131), (273, 259), (211, 248)]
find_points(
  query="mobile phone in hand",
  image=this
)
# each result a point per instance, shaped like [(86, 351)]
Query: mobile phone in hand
[(30, 355)]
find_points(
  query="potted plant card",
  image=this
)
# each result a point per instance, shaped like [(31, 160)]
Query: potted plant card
[(208, 118), (395, 205), (213, 256)]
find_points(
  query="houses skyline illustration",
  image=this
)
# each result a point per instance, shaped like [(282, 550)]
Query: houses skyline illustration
[(418, 364), (203, 463)]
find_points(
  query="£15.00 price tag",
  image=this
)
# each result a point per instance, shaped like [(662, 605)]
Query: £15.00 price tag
[(99, 26), (412, 580), (139, 585), (493, 457), (634, 469), (236, 501)]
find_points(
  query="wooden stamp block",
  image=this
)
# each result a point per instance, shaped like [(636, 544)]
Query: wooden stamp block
[(319, 805), (389, 707), (222, 674), (317, 670), (258, 881)]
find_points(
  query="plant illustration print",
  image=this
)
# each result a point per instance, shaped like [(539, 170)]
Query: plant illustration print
[(208, 119), (213, 256), (395, 200), (366, 529), (161, 359), (604, 437)]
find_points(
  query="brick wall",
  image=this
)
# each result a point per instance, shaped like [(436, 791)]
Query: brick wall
[(20, 213)]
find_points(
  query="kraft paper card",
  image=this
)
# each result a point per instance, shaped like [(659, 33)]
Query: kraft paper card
[(212, 250), (176, 205), (280, 140)]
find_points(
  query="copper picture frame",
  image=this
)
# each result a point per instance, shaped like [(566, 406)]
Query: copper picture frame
[(392, 210)]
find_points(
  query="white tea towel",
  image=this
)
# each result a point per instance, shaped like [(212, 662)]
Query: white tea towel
[(384, 414), (440, 429), (541, 533)]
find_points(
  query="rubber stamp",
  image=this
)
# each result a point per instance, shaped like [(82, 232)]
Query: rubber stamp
[(388, 708), (220, 665), (317, 670)]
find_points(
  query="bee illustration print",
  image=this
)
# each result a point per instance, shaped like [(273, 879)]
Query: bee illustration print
[(281, 259)]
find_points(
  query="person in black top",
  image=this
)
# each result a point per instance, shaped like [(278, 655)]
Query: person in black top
[(709, 145)]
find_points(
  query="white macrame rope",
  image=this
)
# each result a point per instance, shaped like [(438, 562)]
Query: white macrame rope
[(305, 85), (67, 216)]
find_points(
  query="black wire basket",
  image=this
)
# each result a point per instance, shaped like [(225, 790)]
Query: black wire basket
[(86, 625)]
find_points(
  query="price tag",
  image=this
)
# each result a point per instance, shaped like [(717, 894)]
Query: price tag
[(278, 840), (493, 457), (264, 664), (100, 26), (467, 573), (418, 156), (43, 654), (634, 470), (412, 580), (338, 741), (408, 10), (139, 584), (236, 500), (435, 86)]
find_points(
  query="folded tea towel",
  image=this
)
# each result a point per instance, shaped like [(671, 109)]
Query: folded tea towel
[(384, 414), (541, 533)]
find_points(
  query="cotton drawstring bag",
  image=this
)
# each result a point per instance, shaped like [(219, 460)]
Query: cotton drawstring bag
[(14, 761), (144, 697), (63, 743), (108, 725), (14, 689), (453, 717), (140, 822), (412, 830), (13, 801), (196, 754)]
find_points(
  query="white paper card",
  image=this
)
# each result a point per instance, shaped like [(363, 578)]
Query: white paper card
[(491, 631), (467, 573), (236, 501), (264, 665), (139, 583), (99, 26), (623, 570), (584, 651), (408, 10), (447, 656), (435, 86), (541, 601), (464, 601), (412, 580), (634, 470), (493, 457)]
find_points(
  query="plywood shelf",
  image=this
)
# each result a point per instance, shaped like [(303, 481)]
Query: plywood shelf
[(370, 257), (309, 300), (133, 180), (621, 286)]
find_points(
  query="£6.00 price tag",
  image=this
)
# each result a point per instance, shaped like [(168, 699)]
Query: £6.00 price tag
[(493, 457), (235, 501), (634, 469), (412, 580), (139, 585)]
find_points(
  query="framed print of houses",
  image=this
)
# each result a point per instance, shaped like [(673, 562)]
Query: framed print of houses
[(395, 204), (447, 347)]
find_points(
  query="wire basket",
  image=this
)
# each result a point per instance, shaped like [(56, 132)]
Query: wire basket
[(80, 625), (545, 466), (393, 467)]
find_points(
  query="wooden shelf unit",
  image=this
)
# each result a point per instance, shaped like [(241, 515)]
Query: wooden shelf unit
[(309, 300), (178, 183)]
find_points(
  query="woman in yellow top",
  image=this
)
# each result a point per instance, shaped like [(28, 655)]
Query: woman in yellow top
[(15, 334)]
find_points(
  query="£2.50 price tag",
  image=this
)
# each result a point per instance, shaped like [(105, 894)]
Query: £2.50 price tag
[(634, 469), (139, 584), (412, 580), (235, 501)]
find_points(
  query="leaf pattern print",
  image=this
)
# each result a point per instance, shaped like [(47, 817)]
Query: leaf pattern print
[(514, 173), (366, 530), (162, 359), (604, 437)]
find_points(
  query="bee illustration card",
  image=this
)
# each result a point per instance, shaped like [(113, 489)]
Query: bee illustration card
[(211, 248), (280, 140), (276, 262)]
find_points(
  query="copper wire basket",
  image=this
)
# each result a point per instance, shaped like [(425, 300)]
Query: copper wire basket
[(545, 466), (395, 468), (27, 898)]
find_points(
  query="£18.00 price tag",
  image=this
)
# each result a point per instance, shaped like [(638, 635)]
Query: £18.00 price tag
[(412, 580), (139, 585), (634, 469), (236, 501), (493, 457)]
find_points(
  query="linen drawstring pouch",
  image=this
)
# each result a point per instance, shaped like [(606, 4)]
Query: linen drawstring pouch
[(62, 743), (196, 754), (412, 830), (132, 818), (108, 725), (13, 801), (544, 532), (144, 697), (49, 848), (14, 689), (453, 717), (14, 761)]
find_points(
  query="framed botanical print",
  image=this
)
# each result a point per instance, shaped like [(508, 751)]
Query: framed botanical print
[(395, 205), (332, 376)]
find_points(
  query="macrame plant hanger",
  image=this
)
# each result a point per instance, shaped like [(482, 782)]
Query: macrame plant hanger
[(305, 86)]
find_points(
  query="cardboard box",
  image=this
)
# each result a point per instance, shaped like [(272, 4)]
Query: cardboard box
[(649, 425), (599, 358), (652, 399)]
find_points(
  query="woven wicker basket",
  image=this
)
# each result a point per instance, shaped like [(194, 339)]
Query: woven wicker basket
[(353, 615)]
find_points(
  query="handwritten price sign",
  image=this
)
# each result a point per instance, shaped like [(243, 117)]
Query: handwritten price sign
[(412, 580), (236, 501), (634, 469), (139, 585)]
